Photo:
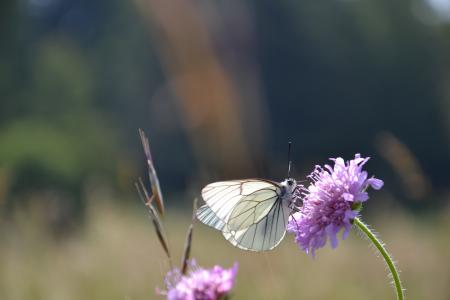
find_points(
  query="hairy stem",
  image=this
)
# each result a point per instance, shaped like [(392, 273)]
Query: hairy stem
[(388, 259)]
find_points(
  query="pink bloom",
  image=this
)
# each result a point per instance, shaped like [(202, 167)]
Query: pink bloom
[(199, 283), (331, 202)]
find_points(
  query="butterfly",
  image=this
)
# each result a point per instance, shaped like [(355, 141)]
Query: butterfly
[(252, 214)]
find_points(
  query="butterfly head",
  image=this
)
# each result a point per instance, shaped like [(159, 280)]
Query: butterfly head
[(289, 185)]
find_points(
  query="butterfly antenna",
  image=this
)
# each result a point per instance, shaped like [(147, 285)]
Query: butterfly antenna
[(289, 159)]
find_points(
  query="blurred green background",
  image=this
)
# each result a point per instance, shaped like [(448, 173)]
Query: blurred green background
[(220, 87)]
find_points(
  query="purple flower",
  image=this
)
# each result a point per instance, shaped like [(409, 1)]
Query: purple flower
[(331, 202), (199, 283)]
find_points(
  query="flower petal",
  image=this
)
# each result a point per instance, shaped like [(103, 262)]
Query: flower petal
[(332, 234), (375, 183), (361, 197), (348, 197), (328, 201)]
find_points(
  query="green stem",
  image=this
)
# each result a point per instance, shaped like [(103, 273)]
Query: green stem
[(388, 259)]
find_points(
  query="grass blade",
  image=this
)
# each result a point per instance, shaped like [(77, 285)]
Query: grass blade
[(188, 243), (156, 189), (144, 196)]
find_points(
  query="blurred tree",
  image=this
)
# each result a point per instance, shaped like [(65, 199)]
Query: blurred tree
[(77, 78), (348, 70)]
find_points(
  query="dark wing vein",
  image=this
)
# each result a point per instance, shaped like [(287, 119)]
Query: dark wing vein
[(247, 239), (224, 201), (252, 214)]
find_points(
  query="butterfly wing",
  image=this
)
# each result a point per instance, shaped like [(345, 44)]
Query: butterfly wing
[(250, 213), (208, 217), (264, 234), (253, 207), (222, 197)]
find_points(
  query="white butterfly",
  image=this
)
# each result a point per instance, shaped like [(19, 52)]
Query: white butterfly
[(252, 214)]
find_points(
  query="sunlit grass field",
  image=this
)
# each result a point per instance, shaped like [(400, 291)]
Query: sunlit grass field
[(115, 255)]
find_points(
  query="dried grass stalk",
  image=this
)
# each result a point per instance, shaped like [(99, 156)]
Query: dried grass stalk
[(188, 243), (147, 200), (156, 189)]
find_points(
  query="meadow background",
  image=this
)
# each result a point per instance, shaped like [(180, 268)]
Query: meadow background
[(220, 87)]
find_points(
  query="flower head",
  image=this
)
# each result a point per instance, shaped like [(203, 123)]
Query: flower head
[(199, 283), (331, 202)]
